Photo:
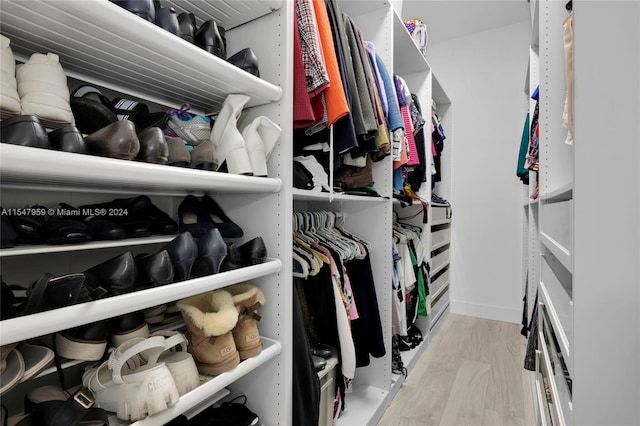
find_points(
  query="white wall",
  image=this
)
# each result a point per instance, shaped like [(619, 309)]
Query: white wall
[(483, 75)]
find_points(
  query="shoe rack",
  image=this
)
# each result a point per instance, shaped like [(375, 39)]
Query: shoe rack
[(102, 44)]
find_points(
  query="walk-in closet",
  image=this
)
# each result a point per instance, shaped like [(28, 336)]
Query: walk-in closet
[(305, 212)]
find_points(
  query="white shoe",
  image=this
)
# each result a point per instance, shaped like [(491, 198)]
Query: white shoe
[(9, 98), (179, 362), (42, 85), (260, 137), (227, 138), (128, 386)]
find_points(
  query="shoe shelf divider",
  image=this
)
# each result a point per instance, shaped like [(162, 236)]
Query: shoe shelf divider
[(102, 43), (35, 168), (193, 399), (22, 328)]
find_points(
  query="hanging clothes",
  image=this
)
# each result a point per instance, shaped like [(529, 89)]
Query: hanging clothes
[(521, 171), (302, 111), (336, 101), (312, 58)]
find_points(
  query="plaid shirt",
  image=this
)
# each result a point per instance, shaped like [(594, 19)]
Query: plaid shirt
[(312, 58)]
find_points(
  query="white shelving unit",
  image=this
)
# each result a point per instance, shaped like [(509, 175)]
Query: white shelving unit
[(103, 44), (586, 268)]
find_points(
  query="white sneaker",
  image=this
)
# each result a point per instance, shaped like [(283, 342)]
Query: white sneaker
[(42, 85), (9, 98), (179, 362), (129, 386)]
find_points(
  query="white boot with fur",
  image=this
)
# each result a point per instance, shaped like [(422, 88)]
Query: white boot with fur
[(209, 318)]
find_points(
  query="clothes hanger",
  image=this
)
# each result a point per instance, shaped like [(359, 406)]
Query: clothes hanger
[(300, 266)]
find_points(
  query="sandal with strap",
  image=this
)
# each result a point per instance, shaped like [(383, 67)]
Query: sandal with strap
[(52, 406), (179, 362), (128, 386)]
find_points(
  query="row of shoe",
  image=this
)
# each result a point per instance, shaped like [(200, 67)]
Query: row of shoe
[(114, 220), (209, 36), (20, 362), (146, 373)]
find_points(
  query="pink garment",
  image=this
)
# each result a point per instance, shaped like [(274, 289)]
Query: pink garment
[(353, 310), (413, 151)]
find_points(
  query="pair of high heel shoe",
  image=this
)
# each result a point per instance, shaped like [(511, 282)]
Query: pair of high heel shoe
[(194, 260), (246, 152)]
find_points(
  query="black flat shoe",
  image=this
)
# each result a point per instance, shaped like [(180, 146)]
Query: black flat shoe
[(62, 230), (25, 130), (253, 252), (246, 60), (127, 326), (159, 221), (68, 139), (319, 363), (98, 228), (183, 252), (323, 351), (116, 275), (154, 269), (187, 23), (30, 226), (208, 37), (92, 110), (122, 212), (212, 249), (211, 210)]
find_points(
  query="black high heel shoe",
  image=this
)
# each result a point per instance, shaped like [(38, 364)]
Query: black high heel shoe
[(211, 210), (191, 218), (183, 252), (212, 249), (233, 259), (210, 38), (253, 252)]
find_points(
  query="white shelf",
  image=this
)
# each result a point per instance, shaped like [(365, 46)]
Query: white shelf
[(27, 167), (561, 253), (440, 205), (22, 328), (442, 244), (104, 44), (362, 406), (93, 245), (407, 58), (211, 391), (304, 195), (563, 193), (440, 222), (439, 95)]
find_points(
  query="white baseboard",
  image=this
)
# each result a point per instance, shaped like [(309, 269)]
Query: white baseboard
[(497, 313)]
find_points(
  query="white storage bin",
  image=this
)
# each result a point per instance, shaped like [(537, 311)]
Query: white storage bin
[(439, 259), (440, 281), (440, 235), (438, 307), (440, 213), (557, 283)]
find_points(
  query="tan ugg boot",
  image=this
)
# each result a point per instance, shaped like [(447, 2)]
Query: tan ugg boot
[(209, 318), (247, 299)]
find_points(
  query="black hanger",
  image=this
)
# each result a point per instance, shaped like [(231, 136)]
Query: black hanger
[(569, 5)]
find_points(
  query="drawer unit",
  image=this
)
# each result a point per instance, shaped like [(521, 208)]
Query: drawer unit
[(440, 213), (556, 283), (440, 235), (558, 369), (439, 305), (438, 281), (548, 400), (556, 222), (439, 259)]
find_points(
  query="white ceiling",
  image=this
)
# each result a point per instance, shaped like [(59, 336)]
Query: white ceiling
[(448, 19)]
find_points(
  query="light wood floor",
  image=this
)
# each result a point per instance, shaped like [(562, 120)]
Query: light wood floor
[(470, 375)]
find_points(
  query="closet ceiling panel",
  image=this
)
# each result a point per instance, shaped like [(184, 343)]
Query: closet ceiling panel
[(104, 44)]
